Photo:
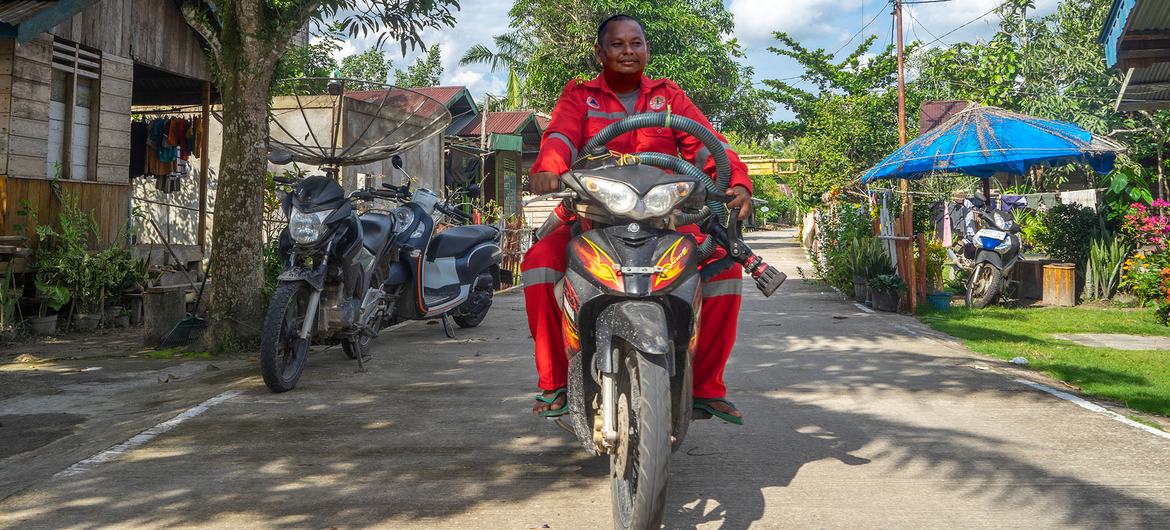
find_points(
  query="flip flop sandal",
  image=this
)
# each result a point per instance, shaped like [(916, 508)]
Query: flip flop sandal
[(550, 401), (704, 406)]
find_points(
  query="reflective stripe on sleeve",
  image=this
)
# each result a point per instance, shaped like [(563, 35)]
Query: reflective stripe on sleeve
[(541, 275), (565, 139), (722, 288)]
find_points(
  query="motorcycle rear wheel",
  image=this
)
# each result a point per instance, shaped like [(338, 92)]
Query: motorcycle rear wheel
[(984, 286), (479, 303), (282, 351), (639, 487), (355, 346)]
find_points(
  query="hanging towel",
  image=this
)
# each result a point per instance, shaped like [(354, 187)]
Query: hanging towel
[(1087, 198)]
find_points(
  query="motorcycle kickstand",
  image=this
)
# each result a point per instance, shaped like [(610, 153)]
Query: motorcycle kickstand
[(448, 328), (361, 360)]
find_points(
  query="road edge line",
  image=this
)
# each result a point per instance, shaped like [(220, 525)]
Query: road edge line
[(1085, 404), (145, 436)]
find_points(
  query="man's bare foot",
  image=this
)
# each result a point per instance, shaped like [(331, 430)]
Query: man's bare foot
[(556, 404), (707, 407)]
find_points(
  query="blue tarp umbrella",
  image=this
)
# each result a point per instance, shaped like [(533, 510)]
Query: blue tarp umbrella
[(984, 141)]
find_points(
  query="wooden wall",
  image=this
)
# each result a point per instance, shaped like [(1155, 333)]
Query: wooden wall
[(113, 141), (151, 32), (7, 49), (108, 203), (29, 128)]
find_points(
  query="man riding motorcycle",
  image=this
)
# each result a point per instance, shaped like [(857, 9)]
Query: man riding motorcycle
[(584, 108)]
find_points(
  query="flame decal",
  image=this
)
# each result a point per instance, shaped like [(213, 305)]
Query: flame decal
[(671, 264), (600, 265), (572, 339)]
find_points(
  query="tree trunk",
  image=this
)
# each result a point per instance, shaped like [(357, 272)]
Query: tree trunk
[(237, 302)]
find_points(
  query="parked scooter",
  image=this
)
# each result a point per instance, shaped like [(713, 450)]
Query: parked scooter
[(348, 276), (990, 253), (631, 297)]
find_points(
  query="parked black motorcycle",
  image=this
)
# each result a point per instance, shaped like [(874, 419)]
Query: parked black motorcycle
[(348, 276), (631, 297)]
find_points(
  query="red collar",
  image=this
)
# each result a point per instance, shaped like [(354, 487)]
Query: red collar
[(645, 86)]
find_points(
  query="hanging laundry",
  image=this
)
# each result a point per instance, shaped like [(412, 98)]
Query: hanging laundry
[(1086, 198)]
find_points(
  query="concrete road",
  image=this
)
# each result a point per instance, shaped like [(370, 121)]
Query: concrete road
[(853, 420)]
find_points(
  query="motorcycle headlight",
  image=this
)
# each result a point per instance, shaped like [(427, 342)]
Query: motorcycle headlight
[(1002, 221), (617, 197), (662, 198), (403, 217), (306, 228)]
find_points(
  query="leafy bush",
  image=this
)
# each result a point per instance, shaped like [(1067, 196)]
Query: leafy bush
[(1070, 227), (838, 224), (1104, 267), (936, 260), (869, 258), (886, 283)]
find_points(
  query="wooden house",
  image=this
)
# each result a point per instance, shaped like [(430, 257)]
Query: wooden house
[(71, 71)]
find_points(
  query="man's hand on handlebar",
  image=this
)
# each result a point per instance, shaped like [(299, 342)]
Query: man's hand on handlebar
[(742, 199), (545, 182)]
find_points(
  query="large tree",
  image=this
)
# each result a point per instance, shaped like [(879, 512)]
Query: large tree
[(244, 40), (689, 43), (426, 71)]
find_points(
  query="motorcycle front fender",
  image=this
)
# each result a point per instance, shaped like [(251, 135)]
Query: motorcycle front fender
[(643, 325), (314, 277), (987, 256)]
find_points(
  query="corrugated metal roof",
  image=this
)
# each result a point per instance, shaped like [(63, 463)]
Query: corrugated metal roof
[(1147, 87), (1149, 16), (499, 123), (16, 11), (442, 94)]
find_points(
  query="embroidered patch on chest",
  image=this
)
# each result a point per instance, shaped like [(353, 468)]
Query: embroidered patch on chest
[(657, 102), (592, 102)]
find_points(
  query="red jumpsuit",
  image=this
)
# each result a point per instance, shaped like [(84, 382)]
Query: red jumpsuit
[(584, 108)]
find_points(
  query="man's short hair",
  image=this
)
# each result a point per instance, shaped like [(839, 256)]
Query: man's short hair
[(617, 18)]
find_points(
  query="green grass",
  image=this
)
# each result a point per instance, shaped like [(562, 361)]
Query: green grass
[(1138, 379)]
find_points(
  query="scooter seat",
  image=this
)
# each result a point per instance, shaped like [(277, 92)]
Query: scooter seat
[(376, 228), (460, 239)]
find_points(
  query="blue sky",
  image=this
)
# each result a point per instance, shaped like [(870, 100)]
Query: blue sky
[(827, 24)]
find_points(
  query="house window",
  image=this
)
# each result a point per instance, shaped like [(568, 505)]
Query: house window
[(73, 110)]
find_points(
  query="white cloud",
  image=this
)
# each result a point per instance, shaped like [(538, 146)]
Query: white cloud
[(756, 20)]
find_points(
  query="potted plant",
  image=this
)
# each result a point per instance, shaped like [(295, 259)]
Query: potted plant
[(936, 258), (870, 260), (51, 296), (886, 290)]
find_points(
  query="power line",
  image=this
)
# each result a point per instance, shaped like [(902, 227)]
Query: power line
[(863, 28), (921, 25), (968, 23)]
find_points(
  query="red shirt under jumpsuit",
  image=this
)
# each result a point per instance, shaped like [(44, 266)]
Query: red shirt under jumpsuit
[(584, 108)]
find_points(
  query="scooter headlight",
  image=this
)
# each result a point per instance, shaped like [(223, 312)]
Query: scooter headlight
[(617, 197), (662, 198), (306, 228)]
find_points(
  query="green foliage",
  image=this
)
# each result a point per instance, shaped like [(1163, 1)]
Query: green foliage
[(425, 72), (1104, 266), (513, 51), (53, 296), (936, 261), (313, 60), (886, 283), (857, 75), (1070, 226), (689, 43), (273, 266), (1034, 229), (370, 65), (837, 226), (868, 258), (847, 135)]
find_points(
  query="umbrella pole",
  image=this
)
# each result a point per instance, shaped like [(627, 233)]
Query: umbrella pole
[(987, 192)]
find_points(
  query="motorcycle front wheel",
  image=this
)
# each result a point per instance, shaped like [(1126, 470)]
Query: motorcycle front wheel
[(984, 286), (640, 467), (282, 351)]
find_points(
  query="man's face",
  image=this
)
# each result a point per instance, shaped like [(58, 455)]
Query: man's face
[(623, 48)]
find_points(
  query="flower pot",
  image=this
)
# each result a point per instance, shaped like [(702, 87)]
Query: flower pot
[(112, 313), (43, 325), (940, 300), (884, 301), (860, 291), (87, 321), (122, 321)]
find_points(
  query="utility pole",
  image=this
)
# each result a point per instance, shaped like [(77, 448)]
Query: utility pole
[(906, 223)]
